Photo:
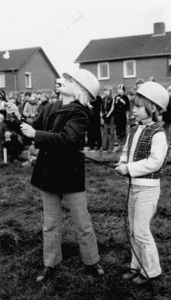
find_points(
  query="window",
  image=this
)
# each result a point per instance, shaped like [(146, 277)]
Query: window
[(2, 80), (28, 80), (169, 66), (103, 71), (129, 68)]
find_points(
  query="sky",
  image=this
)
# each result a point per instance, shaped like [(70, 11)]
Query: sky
[(63, 28)]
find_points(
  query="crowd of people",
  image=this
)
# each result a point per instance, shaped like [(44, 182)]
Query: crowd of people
[(113, 118), (108, 127), (30, 106), (59, 172)]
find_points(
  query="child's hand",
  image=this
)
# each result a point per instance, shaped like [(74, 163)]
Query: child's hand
[(122, 169), (28, 130), (11, 108)]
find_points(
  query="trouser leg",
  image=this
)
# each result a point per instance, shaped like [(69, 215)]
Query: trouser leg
[(52, 254), (83, 226), (145, 202), (105, 136), (111, 133)]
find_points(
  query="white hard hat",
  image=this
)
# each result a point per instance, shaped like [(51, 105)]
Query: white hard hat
[(87, 80), (154, 92)]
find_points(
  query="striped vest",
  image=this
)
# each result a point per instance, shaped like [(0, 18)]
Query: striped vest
[(143, 147)]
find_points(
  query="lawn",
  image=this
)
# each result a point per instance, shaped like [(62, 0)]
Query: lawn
[(21, 240)]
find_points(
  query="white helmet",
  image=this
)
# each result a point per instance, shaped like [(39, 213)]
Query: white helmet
[(155, 92), (86, 79)]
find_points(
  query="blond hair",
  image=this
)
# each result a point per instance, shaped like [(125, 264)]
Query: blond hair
[(82, 95), (140, 100)]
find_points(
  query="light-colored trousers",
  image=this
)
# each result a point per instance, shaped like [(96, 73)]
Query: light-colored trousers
[(52, 254), (141, 208)]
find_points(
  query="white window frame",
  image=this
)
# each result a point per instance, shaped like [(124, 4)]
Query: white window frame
[(3, 80), (30, 83), (108, 71), (125, 69)]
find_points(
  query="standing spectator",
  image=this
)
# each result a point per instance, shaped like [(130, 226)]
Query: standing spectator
[(30, 108), (167, 117), (39, 97), (107, 109), (54, 98), (131, 118), (44, 100), (57, 86), (139, 81), (94, 130), (21, 97), (121, 112), (23, 102)]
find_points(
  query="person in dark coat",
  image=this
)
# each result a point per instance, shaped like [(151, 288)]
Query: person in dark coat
[(107, 109), (44, 100), (121, 112), (59, 168), (94, 130)]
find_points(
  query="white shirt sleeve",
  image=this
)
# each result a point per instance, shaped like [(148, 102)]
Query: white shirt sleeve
[(155, 160), (124, 155)]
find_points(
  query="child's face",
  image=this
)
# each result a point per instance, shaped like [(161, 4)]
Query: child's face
[(43, 98), (139, 112), (68, 86), (121, 92), (53, 100), (27, 97), (57, 86), (13, 100), (32, 99), (107, 93)]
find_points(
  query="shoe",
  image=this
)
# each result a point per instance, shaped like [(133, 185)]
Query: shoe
[(95, 270), (130, 275), (46, 274), (140, 280), (26, 164)]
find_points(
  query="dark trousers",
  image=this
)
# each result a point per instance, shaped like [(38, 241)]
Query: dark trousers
[(108, 134)]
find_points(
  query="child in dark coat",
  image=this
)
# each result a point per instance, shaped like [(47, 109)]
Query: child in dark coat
[(121, 111), (107, 108), (59, 170)]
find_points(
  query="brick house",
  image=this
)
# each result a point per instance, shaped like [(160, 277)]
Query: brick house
[(26, 69), (125, 59)]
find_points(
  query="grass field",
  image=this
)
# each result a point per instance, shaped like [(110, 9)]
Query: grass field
[(21, 240)]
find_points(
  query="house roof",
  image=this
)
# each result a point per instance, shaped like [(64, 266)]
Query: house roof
[(20, 57), (119, 48)]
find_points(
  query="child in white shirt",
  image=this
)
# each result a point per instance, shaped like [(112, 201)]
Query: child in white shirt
[(143, 159)]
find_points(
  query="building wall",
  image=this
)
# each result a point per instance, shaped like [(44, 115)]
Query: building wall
[(43, 77), (145, 68), (9, 82)]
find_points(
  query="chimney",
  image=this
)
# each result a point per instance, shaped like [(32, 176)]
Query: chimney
[(159, 29)]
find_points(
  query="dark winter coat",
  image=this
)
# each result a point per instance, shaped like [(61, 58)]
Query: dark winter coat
[(106, 106), (167, 113), (121, 106), (59, 166)]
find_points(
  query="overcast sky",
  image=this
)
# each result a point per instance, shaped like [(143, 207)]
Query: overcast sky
[(64, 27)]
